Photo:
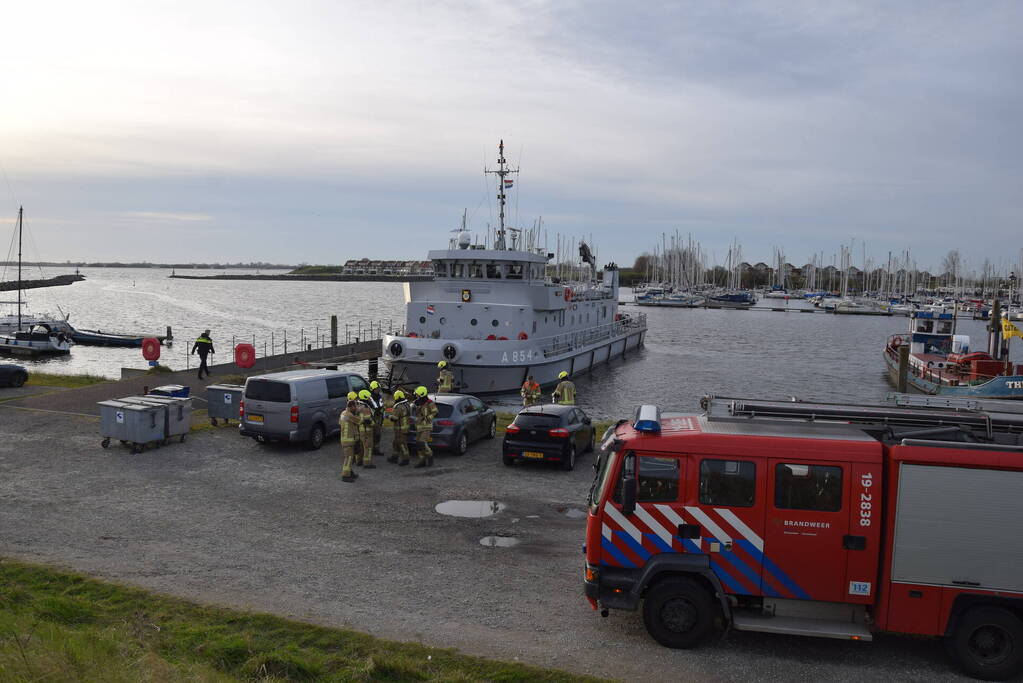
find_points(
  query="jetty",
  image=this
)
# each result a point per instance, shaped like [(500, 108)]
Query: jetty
[(56, 281)]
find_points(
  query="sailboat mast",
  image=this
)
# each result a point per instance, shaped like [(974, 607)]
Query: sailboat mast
[(21, 210)]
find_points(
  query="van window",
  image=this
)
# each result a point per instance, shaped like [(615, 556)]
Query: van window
[(658, 479), (808, 487), (728, 482), (337, 387), (268, 390), (357, 383)]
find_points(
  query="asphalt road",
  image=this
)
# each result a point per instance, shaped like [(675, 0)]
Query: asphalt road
[(225, 520)]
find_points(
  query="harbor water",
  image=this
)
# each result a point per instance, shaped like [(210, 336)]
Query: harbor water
[(688, 352)]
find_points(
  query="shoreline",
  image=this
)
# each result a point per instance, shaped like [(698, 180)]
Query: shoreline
[(56, 281), (310, 278)]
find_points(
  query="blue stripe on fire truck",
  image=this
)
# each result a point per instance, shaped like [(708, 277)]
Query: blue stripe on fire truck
[(609, 546)]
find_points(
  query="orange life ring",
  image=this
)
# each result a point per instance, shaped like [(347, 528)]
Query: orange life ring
[(523, 336), (151, 348), (244, 355), (568, 294)]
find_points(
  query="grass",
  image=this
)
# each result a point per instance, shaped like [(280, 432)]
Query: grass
[(56, 625), (45, 379)]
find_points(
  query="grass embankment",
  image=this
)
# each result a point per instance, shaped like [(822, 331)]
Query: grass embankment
[(56, 625), (45, 379), (318, 270)]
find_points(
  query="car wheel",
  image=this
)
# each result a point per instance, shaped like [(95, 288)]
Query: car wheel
[(678, 612), (462, 445), (19, 379), (568, 460), (593, 441), (316, 437), (507, 460), (493, 429), (988, 643)]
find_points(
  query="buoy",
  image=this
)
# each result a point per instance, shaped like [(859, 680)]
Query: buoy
[(151, 348), (523, 335)]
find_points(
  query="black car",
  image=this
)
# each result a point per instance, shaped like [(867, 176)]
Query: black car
[(12, 375), (553, 433)]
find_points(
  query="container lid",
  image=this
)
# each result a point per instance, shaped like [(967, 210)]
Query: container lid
[(222, 387), (169, 387)]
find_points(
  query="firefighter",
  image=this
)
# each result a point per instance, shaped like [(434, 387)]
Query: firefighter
[(349, 423), (378, 415), (400, 414), (446, 379), (354, 398), (366, 413), (530, 392), (425, 411), (564, 393)]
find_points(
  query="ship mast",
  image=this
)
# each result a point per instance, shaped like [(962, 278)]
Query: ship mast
[(21, 209), (501, 171)]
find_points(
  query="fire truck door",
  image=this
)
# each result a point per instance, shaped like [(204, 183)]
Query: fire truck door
[(807, 521)]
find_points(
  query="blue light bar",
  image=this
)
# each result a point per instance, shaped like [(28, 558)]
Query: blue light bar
[(648, 419)]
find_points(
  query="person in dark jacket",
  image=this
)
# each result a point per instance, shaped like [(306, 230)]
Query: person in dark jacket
[(204, 347)]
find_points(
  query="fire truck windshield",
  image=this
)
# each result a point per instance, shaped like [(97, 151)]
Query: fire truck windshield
[(605, 465)]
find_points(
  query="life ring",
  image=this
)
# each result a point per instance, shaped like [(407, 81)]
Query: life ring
[(523, 336), (491, 337), (244, 355), (568, 294), (151, 348), (502, 338), (896, 342), (412, 335)]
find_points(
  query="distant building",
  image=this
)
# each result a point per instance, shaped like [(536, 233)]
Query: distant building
[(371, 267)]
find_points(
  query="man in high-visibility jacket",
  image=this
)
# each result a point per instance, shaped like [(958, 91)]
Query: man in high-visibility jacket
[(445, 379), (564, 393), (366, 406), (400, 415), (530, 392), (425, 411), (378, 415), (349, 423)]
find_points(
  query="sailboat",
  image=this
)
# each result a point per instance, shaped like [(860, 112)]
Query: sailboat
[(32, 337)]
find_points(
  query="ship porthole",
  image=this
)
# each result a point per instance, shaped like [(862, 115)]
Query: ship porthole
[(396, 349), (422, 319), (450, 351)]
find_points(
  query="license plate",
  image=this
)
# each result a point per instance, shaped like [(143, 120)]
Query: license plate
[(255, 418), (532, 454)]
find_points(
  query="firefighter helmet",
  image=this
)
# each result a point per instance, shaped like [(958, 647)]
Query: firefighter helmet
[(399, 395), (352, 396), (562, 375), (442, 364), (365, 395), (421, 391), (374, 385)]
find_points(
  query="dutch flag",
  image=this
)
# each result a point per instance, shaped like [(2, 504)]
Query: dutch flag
[(430, 309), (508, 182)]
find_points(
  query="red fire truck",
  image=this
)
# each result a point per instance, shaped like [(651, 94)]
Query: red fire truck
[(814, 519)]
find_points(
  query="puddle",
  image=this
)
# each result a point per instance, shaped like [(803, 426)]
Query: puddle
[(572, 513), (469, 508), (499, 541)]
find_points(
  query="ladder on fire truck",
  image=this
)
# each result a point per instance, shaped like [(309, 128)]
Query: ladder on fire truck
[(911, 420)]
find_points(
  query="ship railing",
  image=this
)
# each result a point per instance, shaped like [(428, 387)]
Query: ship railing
[(563, 343)]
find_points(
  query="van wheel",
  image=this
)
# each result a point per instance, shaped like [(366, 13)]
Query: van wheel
[(316, 437), (988, 643), (678, 612), (462, 445)]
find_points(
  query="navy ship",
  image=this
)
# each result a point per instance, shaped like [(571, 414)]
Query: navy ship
[(500, 312)]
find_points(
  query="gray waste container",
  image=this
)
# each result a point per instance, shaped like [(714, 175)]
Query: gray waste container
[(223, 401), (137, 424), (177, 413)]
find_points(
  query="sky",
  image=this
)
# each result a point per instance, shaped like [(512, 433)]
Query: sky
[(314, 132)]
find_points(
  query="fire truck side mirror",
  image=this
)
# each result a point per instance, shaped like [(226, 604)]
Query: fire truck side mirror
[(628, 496)]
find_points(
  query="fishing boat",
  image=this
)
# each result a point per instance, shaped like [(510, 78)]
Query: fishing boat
[(500, 312), (941, 362), (31, 336), (100, 338), (731, 299)]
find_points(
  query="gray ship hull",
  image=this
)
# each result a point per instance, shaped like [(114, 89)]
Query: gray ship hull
[(482, 378)]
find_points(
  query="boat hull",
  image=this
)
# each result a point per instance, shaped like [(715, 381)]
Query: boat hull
[(503, 374), (1006, 387)]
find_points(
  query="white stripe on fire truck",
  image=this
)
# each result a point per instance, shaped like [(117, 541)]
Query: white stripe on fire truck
[(606, 531), (654, 525), (676, 519), (625, 524), (741, 527), (709, 524)]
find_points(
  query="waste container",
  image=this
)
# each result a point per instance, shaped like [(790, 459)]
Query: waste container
[(174, 390), (137, 424), (177, 413), (222, 401)]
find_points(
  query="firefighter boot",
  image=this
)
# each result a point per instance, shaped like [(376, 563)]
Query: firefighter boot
[(392, 459), (421, 453)]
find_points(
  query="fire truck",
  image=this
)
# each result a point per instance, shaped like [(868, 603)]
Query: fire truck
[(828, 520)]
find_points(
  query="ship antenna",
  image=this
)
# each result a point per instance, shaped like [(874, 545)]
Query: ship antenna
[(501, 171)]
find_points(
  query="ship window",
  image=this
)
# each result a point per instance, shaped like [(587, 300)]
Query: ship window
[(422, 319), (925, 326), (493, 323), (494, 271), (945, 327), (443, 320), (515, 271), (457, 270), (476, 270), (440, 269), (473, 321)]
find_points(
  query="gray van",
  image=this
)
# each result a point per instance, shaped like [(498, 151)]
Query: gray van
[(298, 405)]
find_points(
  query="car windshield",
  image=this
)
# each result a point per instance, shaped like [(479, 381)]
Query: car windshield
[(537, 420), (268, 390), (605, 465)]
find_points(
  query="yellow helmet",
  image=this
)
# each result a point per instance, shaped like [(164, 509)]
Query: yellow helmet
[(562, 375), (364, 394), (374, 384), (352, 396), (442, 364), (399, 395), (421, 391)]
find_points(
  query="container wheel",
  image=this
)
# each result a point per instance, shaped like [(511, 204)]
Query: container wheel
[(678, 612), (988, 643), (183, 438), (105, 443), (136, 448), (213, 421)]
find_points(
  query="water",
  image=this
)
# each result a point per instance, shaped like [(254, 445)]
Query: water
[(499, 541), (688, 352), (469, 508)]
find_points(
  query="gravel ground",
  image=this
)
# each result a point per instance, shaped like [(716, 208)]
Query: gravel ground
[(225, 520)]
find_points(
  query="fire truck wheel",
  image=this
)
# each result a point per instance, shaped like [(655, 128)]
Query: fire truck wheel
[(678, 612), (988, 643)]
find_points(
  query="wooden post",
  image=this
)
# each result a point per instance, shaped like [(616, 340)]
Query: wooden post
[(373, 368), (333, 330), (903, 368)]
